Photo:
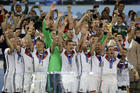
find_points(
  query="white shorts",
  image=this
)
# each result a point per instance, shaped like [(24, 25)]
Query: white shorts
[(94, 82), (70, 82), (27, 82), (39, 82), (109, 84), (84, 84), (8, 82), (18, 82)]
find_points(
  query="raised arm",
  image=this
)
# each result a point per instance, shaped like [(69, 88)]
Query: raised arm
[(83, 37), (26, 7), (131, 34), (118, 44), (70, 19), (116, 5), (55, 25), (93, 46), (79, 23), (13, 6), (49, 14), (60, 34), (10, 44)]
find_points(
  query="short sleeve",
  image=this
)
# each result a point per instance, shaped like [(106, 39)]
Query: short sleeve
[(6, 51), (130, 66)]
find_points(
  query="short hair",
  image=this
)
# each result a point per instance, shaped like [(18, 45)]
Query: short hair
[(108, 47), (121, 2), (18, 5), (130, 12), (120, 16), (68, 41)]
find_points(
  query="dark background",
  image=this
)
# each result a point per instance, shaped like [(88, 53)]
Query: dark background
[(73, 2)]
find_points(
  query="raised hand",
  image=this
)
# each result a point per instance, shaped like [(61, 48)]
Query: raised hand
[(14, 1), (23, 1), (69, 7), (60, 14), (52, 6)]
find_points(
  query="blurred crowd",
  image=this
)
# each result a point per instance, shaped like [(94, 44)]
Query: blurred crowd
[(98, 53)]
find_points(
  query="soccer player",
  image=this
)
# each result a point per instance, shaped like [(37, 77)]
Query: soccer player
[(26, 52), (109, 81), (123, 73), (10, 62), (69, 68)]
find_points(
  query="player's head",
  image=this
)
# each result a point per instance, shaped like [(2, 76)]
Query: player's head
[(120, 38), (124, 53), (120, 19), (98, 48), (92, 39), (40, 45), (85, 45), (18, 8), (121, 7), (69, 45), (110, 51), (18, 41)]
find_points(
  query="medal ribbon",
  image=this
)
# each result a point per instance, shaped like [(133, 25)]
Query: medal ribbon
[(111, 62), (70, 59), (100, 61), (86, 56), (33, 42), (40, 59), (121, 69), (29, 53), (19, 56)]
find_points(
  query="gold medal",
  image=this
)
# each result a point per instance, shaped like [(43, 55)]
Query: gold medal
[(110, 69), (120, 74), (71, 65), (86, 64), (39, 65)]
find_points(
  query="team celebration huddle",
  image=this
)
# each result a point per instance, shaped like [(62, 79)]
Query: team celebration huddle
[(91, 54)]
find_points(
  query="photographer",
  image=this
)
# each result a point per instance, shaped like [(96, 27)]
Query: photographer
[(19, 7), (95, 12), (132, 15), (135, 51), (3, 12)]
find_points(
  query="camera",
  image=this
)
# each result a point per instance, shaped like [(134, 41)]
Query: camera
[(19, 0), (36, 6), (96, 6)]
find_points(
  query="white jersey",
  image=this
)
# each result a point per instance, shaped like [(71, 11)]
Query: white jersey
[(9, 75), (28, 60), (42, 65), (96, 64), (85, 62), (69, 62), (19, 75), (10, 61), (110, 66), (123, 73), (109, 79), (19, 63), (69, 71)]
